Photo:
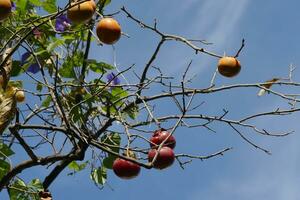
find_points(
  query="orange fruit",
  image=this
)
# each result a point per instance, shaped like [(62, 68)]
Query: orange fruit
[(108, 30), (5, 9), (82, 12), (229, 66)]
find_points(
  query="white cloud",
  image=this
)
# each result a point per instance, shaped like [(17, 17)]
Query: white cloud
[(215, 21)]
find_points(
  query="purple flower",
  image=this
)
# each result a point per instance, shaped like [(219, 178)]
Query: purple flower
[(113, 79), (62, 23), (33, 68), (13, 6)]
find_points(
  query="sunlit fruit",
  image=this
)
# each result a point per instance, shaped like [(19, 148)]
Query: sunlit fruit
[(229, 66), (159, 136), (165, 157), (20, 96), (108, 30), (126, 169), (82, 12), (5, 9)]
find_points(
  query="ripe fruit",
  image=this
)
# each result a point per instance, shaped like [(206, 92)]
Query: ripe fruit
[(229, 66), (20, 96), (108, 30), (159, 136), (165, 157), (82, 12), (5, 9), (126, 169)]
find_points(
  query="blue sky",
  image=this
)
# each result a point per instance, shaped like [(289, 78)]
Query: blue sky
[(271, 30)]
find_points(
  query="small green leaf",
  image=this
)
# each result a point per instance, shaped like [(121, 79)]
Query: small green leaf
[(47, 101), (54, 44), (77, 167), (113, 141), (4, 168), (5, 151), (21, 5), (36, 185), (118, 92), (49, 6), (99, 67), (39, 87), (109, 161), (16, 68), (36, 2), (132, 111), (18, 84), (99, 175), (67, 71), (106, 2)]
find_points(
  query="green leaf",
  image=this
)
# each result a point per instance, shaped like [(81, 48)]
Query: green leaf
[(4, 168), (18, 84), (16, 68), (16, 192), (49, 6), (54, 44), (77, 167), (113, 140), (132, 111), (118, 93), (21, 5), (39, 87), (20, 191), (5, 151), (36, 2), (99, 175), (47, 101), (67, 69), (36, 185), (109, 161), (106, 2), (99, 67)]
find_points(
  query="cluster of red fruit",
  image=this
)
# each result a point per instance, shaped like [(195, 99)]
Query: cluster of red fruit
[(164, 156)]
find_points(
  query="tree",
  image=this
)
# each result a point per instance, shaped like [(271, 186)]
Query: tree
[(88, 110)]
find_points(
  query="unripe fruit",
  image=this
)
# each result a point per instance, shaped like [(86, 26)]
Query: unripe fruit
[(126, 169), (165, 157), (82, 12), (108, 30), (20, 96), (5, 9), (159, 136), (229, 66)]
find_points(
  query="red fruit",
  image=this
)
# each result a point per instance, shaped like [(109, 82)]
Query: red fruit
[(159, 136), (126, 169), (164, 159)]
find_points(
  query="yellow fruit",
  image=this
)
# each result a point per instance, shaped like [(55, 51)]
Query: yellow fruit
[(108, 30), (20, 96), (229, 66), (82, 12), (5, 9)]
